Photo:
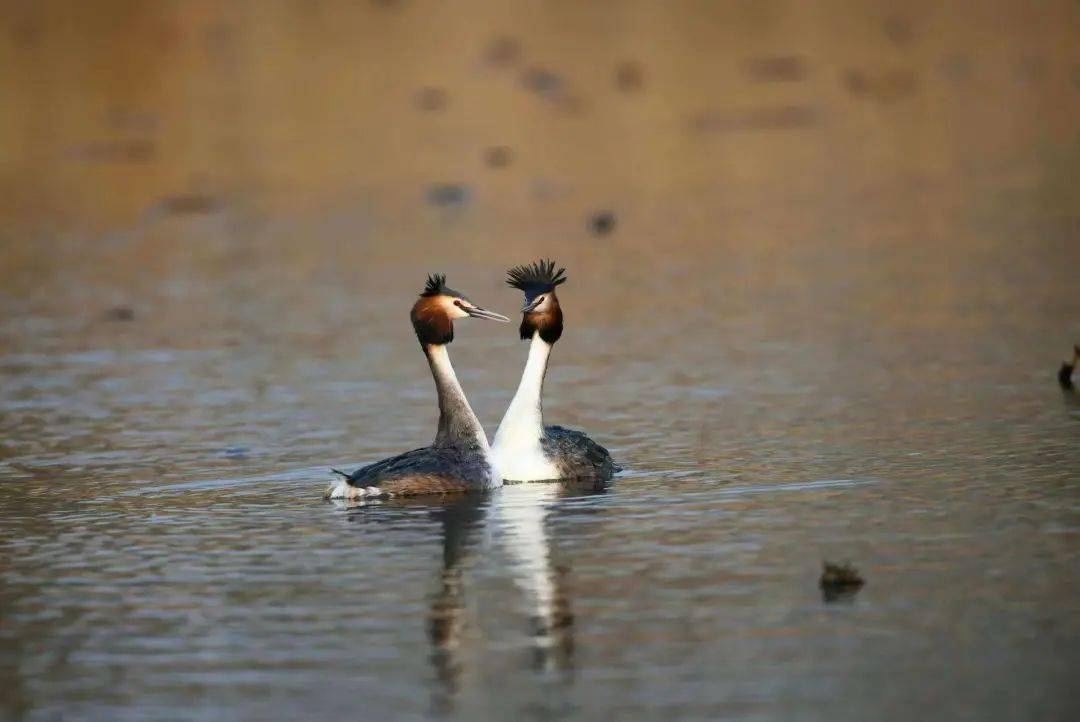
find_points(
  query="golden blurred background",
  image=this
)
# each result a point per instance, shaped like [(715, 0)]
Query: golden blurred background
[(480, 121), (905, 160)]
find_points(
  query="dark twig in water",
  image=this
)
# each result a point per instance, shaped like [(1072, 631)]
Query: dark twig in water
[(120, 313), (1066, 371), (840, 581)]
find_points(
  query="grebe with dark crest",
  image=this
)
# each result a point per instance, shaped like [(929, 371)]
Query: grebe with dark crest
[(460, 459), (525, 449)]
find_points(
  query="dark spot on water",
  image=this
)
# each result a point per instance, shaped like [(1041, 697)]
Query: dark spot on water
[(1065, 373), (499, 156), (776, 68), (431, 99), (780, 117), (884, 86), (447, 194), (237, 452), (120, 313), (856, 82), (541, 81), (1065, 376), (629, 76), (502, 51), (189, 204), (839, 582), (602, 223), (898, 30)]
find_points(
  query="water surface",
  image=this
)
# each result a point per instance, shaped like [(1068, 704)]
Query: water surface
[(821, 320)]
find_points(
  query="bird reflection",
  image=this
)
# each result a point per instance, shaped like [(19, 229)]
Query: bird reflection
[(446, 618), (517, 516)]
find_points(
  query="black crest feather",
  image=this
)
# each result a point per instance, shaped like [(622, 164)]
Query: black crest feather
[(436, 285), (538, 276)]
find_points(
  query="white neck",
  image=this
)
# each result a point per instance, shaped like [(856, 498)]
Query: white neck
[(517, 442), (458, 425)]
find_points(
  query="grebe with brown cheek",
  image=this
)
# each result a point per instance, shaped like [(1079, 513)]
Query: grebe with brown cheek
[(460, 459), (525, 449)]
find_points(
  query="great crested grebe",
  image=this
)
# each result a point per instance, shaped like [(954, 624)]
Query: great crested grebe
[(460, 459), (525, 449)]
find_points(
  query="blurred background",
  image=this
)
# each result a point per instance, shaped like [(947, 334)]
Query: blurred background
[(822, 263), (401, 128)]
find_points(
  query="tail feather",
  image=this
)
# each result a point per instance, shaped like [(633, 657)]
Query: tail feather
[(338, 490)]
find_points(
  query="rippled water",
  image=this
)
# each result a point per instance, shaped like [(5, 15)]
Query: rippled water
[(822, 270), (166, 553)]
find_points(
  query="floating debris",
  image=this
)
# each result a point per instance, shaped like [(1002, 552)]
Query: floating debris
[(120, 313), (885, 86), (502, 51), (541, 81), (1066, 371), (629, 77), (447, 194), (898, 30), (431, 99), (189, 203), (840, 581), (776, 68), (498, 156), (602, 223)]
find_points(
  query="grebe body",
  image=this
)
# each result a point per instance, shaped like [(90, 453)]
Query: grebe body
[(524, 448), (460, 460)]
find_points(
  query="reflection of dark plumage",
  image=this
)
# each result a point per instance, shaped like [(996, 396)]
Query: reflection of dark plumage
[(459, 460)]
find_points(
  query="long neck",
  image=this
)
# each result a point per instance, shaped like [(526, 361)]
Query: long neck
[(458, 425), (526, 409)]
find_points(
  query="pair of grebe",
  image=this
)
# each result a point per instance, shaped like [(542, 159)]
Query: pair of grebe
[(524, 449)]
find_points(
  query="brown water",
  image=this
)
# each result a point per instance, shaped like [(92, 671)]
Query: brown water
[(825, 325)]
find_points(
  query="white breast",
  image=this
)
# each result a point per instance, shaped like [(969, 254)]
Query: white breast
[(518, 455)]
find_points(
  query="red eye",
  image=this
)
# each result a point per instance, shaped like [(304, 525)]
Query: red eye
[(458, 303)]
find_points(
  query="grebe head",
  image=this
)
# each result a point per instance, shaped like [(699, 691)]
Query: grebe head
[(434, 312), (541, 312)]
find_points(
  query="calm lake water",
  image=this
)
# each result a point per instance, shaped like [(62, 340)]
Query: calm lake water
[(167, 555), (821, 320)]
